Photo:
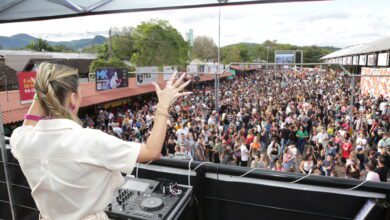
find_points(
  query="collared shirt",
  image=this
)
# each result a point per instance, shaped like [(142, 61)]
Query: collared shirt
[(72, 171)]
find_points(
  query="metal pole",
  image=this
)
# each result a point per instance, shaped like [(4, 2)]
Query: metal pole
[(219, 60), (6, 86), (110, 46), (351, 103), (5, 162)]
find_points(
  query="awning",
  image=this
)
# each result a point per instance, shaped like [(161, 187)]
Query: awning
[(29, 10)]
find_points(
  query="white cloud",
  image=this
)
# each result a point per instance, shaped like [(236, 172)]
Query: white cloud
[(333, 23)]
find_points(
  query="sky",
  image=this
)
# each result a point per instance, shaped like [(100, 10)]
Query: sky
[(338, 23)]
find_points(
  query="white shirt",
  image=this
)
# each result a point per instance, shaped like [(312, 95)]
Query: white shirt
[(372, 176), (72, 171), (244, 153)]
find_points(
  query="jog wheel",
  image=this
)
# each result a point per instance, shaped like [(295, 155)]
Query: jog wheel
[(152, 204)]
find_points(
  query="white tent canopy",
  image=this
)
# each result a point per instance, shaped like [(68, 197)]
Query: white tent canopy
[(382, 44), (28, 10)]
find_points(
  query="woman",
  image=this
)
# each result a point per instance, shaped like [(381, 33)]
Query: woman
[(306, 164), (263, 163), (273, 152), (73, 171), (254, 148), (287, 159), (301, 135)]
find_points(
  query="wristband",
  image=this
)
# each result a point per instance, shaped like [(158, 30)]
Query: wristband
[(162, 112), (32, 117)]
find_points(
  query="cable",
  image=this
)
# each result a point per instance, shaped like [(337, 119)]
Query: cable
[(360, 184), (136, 170), (137, 166), (189, 169), (295, 181), (189, 172), (250, 171)]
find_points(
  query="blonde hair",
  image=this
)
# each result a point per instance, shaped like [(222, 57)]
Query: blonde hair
[(52, 85)]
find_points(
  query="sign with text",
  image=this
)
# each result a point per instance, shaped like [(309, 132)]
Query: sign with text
[(168, 71), (26, 86), (111, 78), (146, 75)]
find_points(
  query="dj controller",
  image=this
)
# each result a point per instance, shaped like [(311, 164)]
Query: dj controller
[(149, 200)]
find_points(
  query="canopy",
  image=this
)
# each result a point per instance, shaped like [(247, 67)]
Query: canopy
[(382, 44), (29, 10)]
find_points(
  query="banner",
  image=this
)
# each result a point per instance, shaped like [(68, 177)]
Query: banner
[(146, 75), (371, 60), (168, 70), (375, 86), (383, 59), (192, 68), (213, 68), (284, 58), (355, 60), (26, 86), (363, 60), (111, 78)]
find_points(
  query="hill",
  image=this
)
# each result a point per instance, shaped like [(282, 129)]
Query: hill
[(19, 41)]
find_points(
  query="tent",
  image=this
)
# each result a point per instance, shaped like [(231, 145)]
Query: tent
[(29, 10)]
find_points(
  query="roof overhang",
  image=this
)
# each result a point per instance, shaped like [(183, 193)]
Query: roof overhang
[(32, 10)]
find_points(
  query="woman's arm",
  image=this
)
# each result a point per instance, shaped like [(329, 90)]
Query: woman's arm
[(166, 97), (301, 167), (35, 109)]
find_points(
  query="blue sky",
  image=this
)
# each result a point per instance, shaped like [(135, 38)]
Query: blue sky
[(332, 23)]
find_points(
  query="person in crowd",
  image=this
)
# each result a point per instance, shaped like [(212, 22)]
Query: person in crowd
[(371, 175), (306, 164), (382, 170), (302, 135)]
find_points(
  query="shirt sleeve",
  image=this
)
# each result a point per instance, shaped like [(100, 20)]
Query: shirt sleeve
[(116, 154), (17, 138)]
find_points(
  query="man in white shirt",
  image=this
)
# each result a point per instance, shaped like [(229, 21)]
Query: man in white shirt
[(244, 155), (371, 175)]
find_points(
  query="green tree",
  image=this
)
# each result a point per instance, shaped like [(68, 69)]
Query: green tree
[(204, 48), (98, 63), (231, 54), (157, 43), (61, 48), (39, 45), (122, 43)]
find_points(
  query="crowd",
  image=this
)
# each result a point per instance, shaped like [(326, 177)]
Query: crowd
[(280, 120)]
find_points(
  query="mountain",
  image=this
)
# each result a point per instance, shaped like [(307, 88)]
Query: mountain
[(19, 41)]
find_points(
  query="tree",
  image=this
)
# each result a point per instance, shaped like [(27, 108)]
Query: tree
[(113, 62), (231, 54), (157, 43), (61, 48), (204, 48), (122, 43), (39, 45)]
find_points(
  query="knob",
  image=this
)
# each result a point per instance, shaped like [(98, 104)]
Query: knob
[(159, 215)]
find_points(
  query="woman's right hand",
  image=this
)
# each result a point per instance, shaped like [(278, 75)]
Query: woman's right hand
[(169, 95)]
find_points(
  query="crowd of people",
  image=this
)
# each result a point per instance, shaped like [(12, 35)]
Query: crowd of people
[(280, 120)]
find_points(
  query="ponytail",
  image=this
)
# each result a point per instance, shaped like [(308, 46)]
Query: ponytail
[(52, 85)]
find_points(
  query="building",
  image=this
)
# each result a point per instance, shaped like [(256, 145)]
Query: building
[(14, 61), (372, 54)]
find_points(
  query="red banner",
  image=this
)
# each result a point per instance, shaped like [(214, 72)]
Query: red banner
[(26, 86)]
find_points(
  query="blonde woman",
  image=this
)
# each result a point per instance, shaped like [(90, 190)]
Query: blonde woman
[(73, 171)]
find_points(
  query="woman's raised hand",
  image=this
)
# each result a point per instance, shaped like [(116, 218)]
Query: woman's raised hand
[(172, 91)]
